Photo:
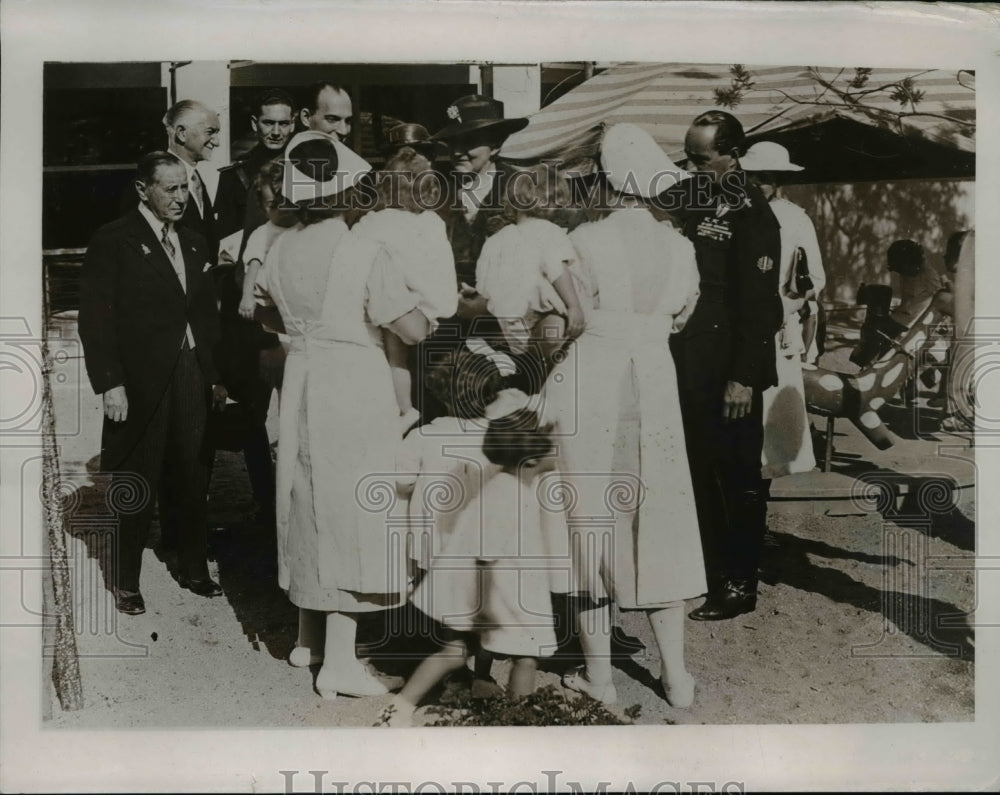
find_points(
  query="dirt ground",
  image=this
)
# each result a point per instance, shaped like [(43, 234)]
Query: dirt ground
[(865, 619)]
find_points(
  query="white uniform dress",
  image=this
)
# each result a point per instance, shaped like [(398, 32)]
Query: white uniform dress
[(337, 426), (787, 442), (628, 495), (493, 556)]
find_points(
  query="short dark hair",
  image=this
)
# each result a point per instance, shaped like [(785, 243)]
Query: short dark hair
[(905, 257), (311, 96), (729, 133), (273, 96), (516, 438), (148, 163)]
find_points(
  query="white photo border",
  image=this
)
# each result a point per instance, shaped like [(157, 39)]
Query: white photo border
[(855, 757)]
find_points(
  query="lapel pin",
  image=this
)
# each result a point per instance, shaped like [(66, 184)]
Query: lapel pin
[(145, 250)]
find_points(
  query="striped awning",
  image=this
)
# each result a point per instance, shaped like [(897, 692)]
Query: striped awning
[(664, 98)]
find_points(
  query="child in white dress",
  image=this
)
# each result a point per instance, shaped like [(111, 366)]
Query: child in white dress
[(417, 240), (523, 270), (492, 556)]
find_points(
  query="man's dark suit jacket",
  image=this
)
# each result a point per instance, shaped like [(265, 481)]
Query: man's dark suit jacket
[(133, 319)]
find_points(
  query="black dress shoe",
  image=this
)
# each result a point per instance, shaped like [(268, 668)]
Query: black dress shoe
[(738, 597), (130, 603), (206, 587)]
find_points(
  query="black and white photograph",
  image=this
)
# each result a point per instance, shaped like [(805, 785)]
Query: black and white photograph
[(380, 405)]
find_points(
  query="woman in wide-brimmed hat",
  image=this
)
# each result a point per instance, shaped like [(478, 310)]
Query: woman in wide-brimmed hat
[(337, 294), (474, 135)]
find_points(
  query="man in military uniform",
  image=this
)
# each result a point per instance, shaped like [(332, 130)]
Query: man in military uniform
[(273, 122), (725, 357), (247, 351)]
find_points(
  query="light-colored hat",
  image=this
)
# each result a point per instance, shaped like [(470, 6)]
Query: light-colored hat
[(636, 164), (767, 156), (327, 156)]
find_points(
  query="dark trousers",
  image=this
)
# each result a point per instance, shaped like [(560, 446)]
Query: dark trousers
[(250, 437), (730, 495), (171, 460)]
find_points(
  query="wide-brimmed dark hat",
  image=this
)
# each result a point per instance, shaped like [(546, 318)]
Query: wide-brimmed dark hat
[(413, 135), (476, 112)]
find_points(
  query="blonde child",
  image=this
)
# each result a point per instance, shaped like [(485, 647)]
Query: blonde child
[(523, 270), (417, 240)]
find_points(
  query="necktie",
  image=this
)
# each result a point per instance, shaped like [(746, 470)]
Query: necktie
[(198, 189), (168, 246)]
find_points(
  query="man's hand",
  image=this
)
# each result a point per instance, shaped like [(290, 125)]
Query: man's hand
[(219, 395), (736, 401), (116, 404)]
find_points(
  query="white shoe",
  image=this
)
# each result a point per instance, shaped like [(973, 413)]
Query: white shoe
[(577, 680), (357, 682), (681, 695)]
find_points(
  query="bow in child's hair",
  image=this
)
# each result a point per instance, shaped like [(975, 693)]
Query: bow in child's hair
[(501, 360)]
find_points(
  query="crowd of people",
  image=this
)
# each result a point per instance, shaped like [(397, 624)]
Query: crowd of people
[(591, 369)]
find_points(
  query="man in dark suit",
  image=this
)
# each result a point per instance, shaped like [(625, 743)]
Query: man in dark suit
[(148, 323), (192, 136), (725, 357)]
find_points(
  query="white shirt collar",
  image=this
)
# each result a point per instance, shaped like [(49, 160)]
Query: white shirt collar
[(187, 166), (157, 225)]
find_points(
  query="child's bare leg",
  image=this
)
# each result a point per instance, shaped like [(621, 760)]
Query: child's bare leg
[(668, 629), (450, 657), (522, 676)]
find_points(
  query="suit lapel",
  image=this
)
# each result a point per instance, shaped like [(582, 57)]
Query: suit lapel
[(149, 247)]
